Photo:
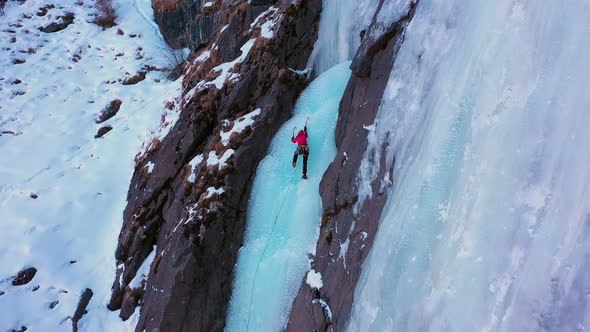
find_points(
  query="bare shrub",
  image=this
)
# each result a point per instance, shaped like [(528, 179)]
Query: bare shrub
[(174, 62), (106, 14)]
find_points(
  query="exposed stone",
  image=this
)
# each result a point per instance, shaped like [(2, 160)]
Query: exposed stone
[(102, 131), (81, 308), (63, 22), (43, 10), (131, 299), (53, 304), (109, 111), (140, 76), (24, 277), (338, 189)]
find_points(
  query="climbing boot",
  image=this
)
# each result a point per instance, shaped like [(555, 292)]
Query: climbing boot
[(294, 164), (304, 177)]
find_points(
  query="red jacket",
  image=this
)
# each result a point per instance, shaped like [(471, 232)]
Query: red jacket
[(301, 138)]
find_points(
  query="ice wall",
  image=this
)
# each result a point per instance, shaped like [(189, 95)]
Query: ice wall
[(285, 261), (487, 225), (339, 37)]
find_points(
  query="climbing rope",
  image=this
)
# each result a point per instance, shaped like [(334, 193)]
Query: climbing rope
[(265, 247)]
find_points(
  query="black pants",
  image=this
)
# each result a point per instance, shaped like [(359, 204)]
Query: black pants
[(304, 150)]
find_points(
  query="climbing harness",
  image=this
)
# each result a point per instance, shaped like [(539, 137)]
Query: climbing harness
[(266, 246)]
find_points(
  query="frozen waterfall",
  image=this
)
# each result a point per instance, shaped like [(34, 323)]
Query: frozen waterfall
[(486, 228)]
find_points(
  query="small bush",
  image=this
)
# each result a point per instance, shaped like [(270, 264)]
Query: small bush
[(175, 61), (106, 14)]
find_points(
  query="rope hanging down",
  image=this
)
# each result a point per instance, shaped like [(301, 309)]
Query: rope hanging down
[(268, 241), (266, 246)]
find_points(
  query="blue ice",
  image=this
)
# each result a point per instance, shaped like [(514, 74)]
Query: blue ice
[(285, 260)]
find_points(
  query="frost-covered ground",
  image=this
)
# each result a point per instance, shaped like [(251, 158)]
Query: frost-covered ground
[(487, 110), (48, 108), (285, 260)]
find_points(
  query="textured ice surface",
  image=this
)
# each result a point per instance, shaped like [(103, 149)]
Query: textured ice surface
[(339, 32), (487, 227), (285, 262)]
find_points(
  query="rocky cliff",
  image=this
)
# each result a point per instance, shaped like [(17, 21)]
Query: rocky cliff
[(349, 225), (189, 191)]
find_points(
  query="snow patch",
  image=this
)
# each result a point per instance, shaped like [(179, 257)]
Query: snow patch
[(224, 69), (144, 270), (314, 279), (214, 191), (239, 125), (213, 159), (150, 167)]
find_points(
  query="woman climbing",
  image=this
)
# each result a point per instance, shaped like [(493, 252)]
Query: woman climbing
[(302, 148)]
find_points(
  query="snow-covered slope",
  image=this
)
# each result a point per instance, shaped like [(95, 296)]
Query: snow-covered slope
[(48, 150)]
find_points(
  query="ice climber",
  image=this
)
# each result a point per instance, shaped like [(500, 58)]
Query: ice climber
[(302, 148)]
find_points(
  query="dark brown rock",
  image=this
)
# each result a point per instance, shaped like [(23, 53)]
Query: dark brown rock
[(81, 308), (43, 10), (22, 329), (140, 76), (63, 22), (198, 236), (102, 131), (109, 111), (338, 188), (53, 304), (24, 277)]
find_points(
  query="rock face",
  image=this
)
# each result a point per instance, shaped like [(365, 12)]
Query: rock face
[(327, 309), (192, 23), (189, 191), (81, 308)]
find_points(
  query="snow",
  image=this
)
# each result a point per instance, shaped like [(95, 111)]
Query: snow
[(213, 159), (150, 167), (208, 4), (214, 191), (325, 306), (143, 272), (196, 161), (285, 262), (239, 125), (81, 182), (314, 279), (224, 69), (487, 113)]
